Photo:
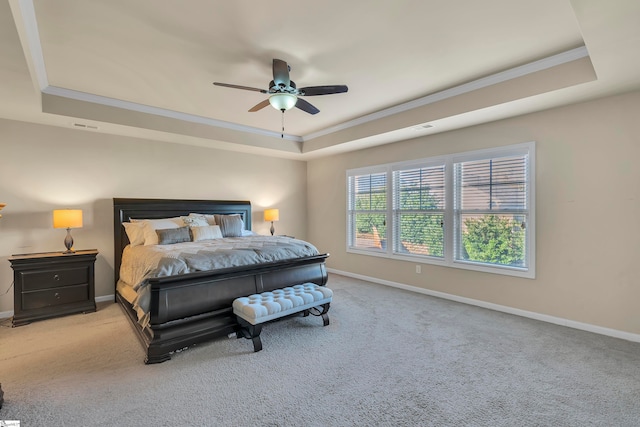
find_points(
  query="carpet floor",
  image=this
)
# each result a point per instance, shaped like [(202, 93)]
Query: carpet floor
[(389, 358)]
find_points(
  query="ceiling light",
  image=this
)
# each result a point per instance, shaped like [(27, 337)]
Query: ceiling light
[(283, 101)]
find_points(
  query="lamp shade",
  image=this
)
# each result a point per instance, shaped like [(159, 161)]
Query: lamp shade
[(271, 215), (67, 218), (283, 101)]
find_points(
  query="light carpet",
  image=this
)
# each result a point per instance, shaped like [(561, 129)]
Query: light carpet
[(389, 358)]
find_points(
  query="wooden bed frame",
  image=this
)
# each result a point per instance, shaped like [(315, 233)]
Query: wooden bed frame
[(196, 307)]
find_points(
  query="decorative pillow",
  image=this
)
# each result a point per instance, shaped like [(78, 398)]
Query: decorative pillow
[(206, 218), (209, 219), (195, 220), (135, 232), (207, 232), (151, 225), (230, 225), (218, 218), (169, 236)]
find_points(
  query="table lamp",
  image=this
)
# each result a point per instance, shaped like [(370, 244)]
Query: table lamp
[(272, 215), (67, 218)]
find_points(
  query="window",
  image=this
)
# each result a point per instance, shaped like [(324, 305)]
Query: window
[(367, 206), (490, 210), (470, 210), (418, 211)]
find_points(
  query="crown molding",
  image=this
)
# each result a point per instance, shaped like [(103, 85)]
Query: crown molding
[(156, 111), (503, 76)]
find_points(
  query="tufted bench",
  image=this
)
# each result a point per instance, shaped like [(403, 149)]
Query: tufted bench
[(254, 310)]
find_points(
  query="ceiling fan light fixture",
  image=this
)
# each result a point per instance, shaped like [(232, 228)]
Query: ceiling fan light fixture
[(283, 101)]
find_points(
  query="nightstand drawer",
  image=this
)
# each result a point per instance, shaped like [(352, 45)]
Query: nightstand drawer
[(54, 278), (56, 296)]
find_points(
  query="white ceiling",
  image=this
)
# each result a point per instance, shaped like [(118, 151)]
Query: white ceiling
[(145, 68)]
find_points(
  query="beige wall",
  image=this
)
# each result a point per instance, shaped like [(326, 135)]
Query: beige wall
[(43, 168), (587, 210)]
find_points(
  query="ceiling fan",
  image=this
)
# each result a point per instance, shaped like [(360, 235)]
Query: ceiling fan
[(283, 93)]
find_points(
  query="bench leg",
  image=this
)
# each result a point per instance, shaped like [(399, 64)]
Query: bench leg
[(257, 343), (322, 310), (251, 332), (325, 319)]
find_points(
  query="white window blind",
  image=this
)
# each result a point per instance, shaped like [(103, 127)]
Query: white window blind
[(491, 210), (367, 210), (418, 211)]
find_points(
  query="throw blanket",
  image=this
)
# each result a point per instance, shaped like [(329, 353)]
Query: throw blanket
[(139, 263)]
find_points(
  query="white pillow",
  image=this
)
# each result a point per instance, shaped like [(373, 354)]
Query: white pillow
[(135, 232), (151, 225), (206, 233)]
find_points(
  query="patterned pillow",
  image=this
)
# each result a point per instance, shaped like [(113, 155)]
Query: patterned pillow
[(195, 220), (208, 218)]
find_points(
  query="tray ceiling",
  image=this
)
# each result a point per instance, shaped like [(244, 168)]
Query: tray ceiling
[(145, 68)]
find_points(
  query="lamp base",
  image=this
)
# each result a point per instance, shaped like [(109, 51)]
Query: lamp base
[(68, 243), (272, 229)]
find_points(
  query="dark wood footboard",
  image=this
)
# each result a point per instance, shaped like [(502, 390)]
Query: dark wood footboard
[(173, 322)]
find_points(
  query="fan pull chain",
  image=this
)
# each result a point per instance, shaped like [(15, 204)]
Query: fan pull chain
[(282, 135)]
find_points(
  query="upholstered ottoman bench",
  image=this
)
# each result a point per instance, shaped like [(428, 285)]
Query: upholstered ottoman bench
[(255, 310)]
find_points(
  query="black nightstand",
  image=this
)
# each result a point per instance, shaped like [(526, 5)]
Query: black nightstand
[(52, 284)]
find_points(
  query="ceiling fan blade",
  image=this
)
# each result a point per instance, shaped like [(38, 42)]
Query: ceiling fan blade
[(259, 106), (281, 73), (305, 106), (255, 89), (322, 90)]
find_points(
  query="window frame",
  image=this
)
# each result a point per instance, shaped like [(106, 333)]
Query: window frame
[(433, 162), (374, 170), (449, 258)]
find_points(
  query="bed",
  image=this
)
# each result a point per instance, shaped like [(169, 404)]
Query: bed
[(196, 306)]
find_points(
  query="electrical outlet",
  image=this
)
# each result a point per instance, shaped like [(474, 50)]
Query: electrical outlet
[(418, 269)]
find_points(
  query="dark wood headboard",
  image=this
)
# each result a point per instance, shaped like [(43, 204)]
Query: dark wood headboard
[(126, 209)]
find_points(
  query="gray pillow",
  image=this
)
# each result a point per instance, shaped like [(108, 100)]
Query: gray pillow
[(230, 225), (170, 236)]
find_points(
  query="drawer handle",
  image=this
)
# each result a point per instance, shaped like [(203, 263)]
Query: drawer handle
[(56, 277), (57, 295)]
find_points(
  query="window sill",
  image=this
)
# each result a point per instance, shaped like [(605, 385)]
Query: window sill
[(464, 265)]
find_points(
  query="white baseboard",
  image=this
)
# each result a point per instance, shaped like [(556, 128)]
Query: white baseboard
[(106, 298), (503, 308), (5, 314)]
